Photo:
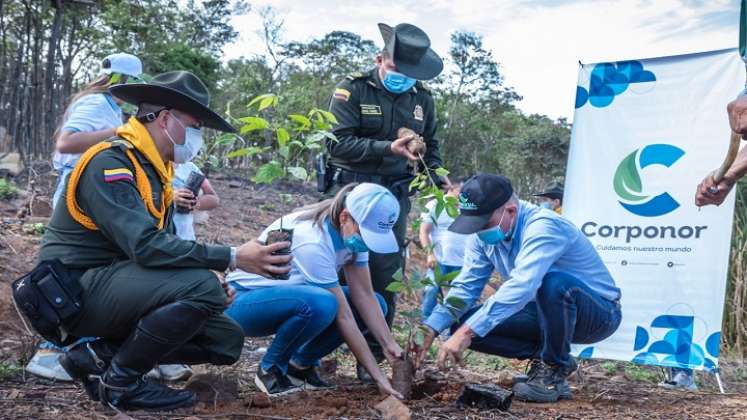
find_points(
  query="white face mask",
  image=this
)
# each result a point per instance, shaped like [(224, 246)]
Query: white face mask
[(192, 143)]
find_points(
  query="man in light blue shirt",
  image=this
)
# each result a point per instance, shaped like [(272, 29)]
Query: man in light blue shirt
[(556, 290)]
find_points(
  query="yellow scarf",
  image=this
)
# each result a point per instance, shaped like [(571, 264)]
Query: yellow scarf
[(136, 135)]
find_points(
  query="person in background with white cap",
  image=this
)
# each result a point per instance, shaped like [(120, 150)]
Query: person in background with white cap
[(556, 289), (92, 116), (310, 313)]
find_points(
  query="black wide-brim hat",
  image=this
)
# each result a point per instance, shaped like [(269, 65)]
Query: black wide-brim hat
[(180, 90), (410, 49), (553, 190)]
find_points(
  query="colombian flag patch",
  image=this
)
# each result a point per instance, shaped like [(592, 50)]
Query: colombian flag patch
[(342, 94), (119, 174)]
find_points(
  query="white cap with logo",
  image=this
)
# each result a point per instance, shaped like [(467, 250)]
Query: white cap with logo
[(122, 63), (376, 210)]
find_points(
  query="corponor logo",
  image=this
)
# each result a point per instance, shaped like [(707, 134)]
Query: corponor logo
[(628, 185)]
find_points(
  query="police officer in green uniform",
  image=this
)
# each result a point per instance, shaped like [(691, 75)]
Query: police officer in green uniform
[(148, 294), (370, 109)]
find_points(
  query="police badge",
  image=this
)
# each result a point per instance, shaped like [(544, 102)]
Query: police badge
[(418, 113)]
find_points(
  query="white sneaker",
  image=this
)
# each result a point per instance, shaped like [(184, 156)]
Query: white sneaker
[(46, 364), (174, 372)]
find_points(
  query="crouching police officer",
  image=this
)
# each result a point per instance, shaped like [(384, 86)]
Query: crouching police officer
[(148, 294), (371, 108)]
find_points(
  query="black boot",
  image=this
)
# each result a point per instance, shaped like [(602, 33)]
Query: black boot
[(157, 334), (546, 384), (86, 362)]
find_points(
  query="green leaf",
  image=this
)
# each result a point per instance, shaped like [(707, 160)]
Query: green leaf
[(419, 337), (253, 124), (268, 172), (246, 151), (259, 99), (284, 151), (395, 287), (283, 136), (298, 172), (301, 120), (330, 117), (266, 102), (442, 171), (398, 275), (455, 302), (439, 208)]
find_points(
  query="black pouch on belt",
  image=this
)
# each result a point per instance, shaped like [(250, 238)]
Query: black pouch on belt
[(50, 298)]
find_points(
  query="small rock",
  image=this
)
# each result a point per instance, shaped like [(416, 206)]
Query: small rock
[(393, 409), (261, 400), (261, 350)]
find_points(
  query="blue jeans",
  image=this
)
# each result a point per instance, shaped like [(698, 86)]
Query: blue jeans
[(565, 311), (430, 293), (330, 339), (301, 317)]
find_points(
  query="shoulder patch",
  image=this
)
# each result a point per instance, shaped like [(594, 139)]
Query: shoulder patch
[(341, 94), (118, 174), (356, 75)]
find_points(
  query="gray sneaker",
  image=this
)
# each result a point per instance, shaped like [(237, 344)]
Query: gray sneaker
[(682, 379), (532, 367), (46, 364)]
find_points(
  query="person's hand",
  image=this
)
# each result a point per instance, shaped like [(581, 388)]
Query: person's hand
[(184, 198), (253, 257), (420, 351), (451, 352), (445, 182), (392, 352), (230, 293), (399, 146), (709, 192), (430, 262), (736, 110), (386, 388)]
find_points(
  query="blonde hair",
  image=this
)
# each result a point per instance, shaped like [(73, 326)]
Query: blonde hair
[(331, 208), (98, 85)]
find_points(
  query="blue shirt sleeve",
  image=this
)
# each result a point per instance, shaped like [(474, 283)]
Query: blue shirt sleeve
[(543, 242), (466, 288)]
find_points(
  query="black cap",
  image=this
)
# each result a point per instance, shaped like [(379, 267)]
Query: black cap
[(553, 190), (481, 195)]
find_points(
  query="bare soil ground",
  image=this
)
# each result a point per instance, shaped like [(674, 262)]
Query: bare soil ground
[(604, 390)]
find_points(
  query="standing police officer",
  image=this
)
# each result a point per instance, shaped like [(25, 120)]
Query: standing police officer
[(370, 109), (148, 294)]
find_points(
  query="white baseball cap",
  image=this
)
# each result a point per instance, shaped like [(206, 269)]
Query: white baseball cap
[(375, 210), (122, 63)]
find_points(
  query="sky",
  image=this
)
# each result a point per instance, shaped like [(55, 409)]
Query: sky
[(538, 43)]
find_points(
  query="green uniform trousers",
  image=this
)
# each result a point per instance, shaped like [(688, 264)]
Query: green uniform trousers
[(117, 296)]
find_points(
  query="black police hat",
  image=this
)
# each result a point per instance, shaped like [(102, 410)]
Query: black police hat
[(553, 190), (180, 90), (481, 195), (410, 48)]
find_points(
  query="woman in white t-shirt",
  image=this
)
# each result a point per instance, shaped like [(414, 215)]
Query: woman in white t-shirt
[(92, 116), (310, 313)]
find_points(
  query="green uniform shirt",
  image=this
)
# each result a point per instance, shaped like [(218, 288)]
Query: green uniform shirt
[(368, 118), (127, 231)]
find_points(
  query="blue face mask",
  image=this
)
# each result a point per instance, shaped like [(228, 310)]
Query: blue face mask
[(397, 82), (546, 204), (494, 235), (354, 243)]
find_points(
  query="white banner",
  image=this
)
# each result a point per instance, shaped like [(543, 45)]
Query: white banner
[(645, 133)]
